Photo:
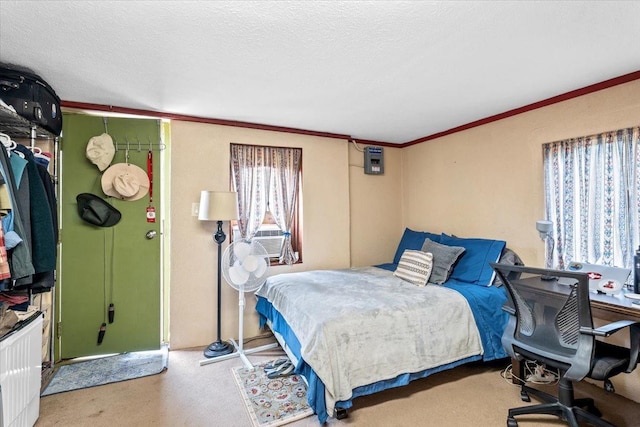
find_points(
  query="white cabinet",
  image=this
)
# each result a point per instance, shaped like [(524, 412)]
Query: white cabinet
[(20, 371)]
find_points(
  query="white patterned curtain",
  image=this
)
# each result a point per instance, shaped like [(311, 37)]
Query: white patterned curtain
[(285, 167), (267, 179), (592, 189), (250, 179)]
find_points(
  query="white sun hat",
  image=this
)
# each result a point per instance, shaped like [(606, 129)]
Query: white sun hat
[(100, 151), (125, 181)]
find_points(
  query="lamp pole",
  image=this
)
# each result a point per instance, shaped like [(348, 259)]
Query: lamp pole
[(219, 348)]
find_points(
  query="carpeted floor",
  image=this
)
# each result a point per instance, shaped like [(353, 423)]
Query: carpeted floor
[(188, 394)]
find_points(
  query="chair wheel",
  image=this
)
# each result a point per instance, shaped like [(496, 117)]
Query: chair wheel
[(511, 422), (524, 396), (608, 386)]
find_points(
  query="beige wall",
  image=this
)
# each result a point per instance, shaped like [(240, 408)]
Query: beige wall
[(200, 161), (376, 214), (488, 182)]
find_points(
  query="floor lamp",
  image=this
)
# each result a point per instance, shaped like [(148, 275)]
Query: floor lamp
[(218, 206)]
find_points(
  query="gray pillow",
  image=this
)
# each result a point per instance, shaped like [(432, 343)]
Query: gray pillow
[(444, 257)]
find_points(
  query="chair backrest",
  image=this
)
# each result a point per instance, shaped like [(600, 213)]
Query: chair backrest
[(548, 309)]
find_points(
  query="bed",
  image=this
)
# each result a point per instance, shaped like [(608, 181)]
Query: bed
[(357, 331)]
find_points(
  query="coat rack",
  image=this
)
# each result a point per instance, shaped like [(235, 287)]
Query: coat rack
[(127, 145), (146, 146)]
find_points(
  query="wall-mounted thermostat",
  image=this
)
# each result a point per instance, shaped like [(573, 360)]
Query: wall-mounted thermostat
[(373, 161)]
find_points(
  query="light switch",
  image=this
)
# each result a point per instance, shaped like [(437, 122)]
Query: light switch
[(195, 209)]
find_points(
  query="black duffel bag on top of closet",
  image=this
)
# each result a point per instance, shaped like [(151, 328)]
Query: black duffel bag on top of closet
[(31, 96)]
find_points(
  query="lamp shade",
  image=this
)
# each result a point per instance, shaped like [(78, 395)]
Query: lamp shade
[(544, 227), (218, 206)]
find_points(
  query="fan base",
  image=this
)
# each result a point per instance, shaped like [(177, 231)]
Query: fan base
[(218, 348)]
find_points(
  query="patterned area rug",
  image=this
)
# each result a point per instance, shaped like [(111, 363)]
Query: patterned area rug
[(107, 370), (272, 402)]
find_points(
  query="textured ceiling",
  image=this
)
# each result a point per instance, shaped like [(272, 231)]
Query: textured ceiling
[(386, 71)]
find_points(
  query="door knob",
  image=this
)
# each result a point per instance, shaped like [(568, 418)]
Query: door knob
[(151, 234)]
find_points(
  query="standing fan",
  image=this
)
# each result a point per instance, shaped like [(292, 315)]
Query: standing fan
[(244, 266)]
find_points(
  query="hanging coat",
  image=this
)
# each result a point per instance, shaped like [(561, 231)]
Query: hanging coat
[(20, 260)]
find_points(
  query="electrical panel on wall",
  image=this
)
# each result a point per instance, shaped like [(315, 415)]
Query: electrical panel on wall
[(373, 161)]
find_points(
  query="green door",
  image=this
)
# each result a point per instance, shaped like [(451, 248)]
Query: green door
[(117, 265)]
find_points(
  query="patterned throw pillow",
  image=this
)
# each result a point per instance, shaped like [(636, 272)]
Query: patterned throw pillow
[(415, 267)]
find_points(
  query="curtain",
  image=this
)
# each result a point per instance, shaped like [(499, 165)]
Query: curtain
[(267, 178), (286, 164), (250, 179), (592, 189)]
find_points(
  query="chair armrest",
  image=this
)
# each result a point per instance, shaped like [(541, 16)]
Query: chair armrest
[(609, 329), (634, 347), (612, 328)]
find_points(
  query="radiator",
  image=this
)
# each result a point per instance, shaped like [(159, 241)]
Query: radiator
[(20, 374)]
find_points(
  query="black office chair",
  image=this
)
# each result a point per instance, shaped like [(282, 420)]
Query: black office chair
[(550, 322)]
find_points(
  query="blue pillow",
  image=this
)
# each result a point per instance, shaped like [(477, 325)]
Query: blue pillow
[(473, 266), (413, 240)]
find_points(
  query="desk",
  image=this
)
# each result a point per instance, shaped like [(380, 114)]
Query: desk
[(614, 307), (609, 308)]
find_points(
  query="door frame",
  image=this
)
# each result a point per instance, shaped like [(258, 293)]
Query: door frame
[(163, 156)]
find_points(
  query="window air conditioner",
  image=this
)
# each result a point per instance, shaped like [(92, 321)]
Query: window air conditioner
[(269, 236)]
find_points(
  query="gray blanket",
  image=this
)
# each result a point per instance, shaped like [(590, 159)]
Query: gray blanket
[(362, 325)]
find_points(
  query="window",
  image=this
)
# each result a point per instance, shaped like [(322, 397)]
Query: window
[(268, 183), (592, 190)]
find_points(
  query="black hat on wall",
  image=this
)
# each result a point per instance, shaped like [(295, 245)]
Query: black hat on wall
[(96, 211)]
